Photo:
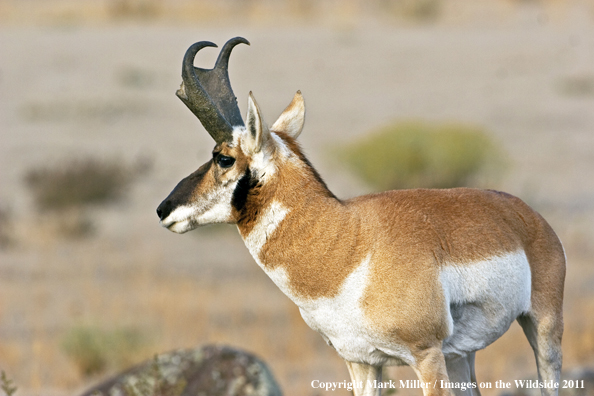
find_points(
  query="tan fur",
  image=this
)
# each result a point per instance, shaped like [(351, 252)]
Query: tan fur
[(407, 236), (411, 232)]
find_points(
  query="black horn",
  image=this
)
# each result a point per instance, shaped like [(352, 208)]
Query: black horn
[(208, 93)]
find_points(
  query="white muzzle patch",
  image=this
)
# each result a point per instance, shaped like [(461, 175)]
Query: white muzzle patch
[(214, 208)]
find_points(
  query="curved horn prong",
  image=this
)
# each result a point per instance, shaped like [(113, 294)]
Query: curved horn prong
[(223, 59), (208, 93), (188, 74)]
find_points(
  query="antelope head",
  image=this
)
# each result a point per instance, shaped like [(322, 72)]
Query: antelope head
[(244, 155)]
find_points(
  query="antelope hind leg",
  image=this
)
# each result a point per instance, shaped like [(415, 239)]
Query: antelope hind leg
[(544, 335), (461, 374)]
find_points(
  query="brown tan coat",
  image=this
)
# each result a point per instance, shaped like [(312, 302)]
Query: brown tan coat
[(418, 277)]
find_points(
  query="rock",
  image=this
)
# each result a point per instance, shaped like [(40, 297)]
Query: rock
[(207, 371)]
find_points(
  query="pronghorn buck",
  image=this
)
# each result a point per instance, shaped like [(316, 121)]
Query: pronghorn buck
[(422, 277)]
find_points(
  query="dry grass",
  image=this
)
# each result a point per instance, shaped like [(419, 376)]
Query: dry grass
[(345, 12), (93, 110), (341, 14), (131, 277), (107, 291)]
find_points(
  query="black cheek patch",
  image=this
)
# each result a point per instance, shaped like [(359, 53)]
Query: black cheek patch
[(244, 185)]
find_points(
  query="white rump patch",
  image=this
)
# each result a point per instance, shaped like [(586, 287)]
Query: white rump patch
[(483, 299)]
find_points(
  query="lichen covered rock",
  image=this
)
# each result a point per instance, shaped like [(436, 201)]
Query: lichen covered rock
[(207, 371)]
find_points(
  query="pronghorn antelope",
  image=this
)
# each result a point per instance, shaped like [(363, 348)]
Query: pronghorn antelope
[(422, 277)]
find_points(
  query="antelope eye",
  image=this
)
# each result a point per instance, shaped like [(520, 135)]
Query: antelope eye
[(224, 161)]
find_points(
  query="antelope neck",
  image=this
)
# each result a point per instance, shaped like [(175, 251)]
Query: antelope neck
[(303, 237)]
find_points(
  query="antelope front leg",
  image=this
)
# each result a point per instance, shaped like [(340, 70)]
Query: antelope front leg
[(364, 377), (431, 369)]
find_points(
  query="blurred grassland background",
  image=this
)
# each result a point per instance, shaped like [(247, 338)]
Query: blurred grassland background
[(399, 93)]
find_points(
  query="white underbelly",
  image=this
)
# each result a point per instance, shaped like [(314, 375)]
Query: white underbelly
[(483, 299)]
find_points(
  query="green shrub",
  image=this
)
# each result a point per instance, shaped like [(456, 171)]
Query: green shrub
[(418, 154), (423, 10), (95, 350), (413, 10), (76, 183), (7, 385), (135, 9), (6, 227)]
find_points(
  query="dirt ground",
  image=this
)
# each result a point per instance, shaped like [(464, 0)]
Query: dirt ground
[(104, 88)]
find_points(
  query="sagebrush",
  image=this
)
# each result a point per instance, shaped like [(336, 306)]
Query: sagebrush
[(415, 154), (95, 350), (81, 182)]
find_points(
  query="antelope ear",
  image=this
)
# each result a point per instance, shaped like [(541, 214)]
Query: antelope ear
[(293, 117), (258, 132)]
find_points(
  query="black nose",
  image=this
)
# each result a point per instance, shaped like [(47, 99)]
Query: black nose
[(164, 209)]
